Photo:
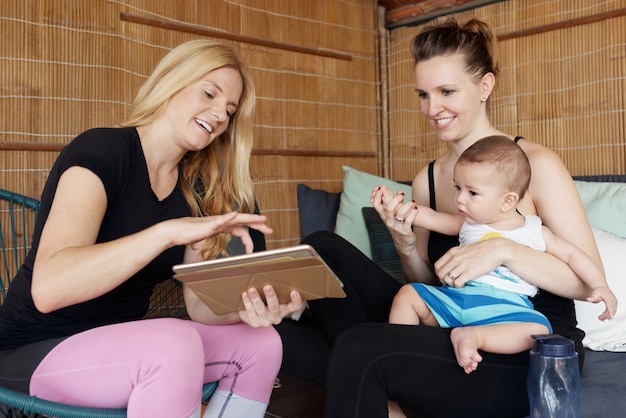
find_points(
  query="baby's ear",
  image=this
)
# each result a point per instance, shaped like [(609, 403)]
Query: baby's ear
[(509, 201)]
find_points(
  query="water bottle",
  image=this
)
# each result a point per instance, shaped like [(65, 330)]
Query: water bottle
[(553, 378)]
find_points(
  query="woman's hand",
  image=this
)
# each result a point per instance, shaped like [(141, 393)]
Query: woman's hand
[(462, 264), (263, 314), (544, 270), (397, 216), (192, 230), (232, 223), (257, 313)]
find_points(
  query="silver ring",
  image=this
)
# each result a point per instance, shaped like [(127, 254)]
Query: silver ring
[(399, 221), (451, 276)]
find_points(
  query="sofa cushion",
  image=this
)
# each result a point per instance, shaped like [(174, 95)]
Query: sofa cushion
[(603, 384), (605, 205), (357, 188), (318, 209), (384, 253), (606, 335)]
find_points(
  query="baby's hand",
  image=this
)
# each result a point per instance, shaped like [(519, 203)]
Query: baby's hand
[(381, 195), (606, 295)]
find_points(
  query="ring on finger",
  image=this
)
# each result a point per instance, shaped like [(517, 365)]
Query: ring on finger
[(451, 276), (399, 221)]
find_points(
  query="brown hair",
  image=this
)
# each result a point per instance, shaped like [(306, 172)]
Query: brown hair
[(474, 40), (505, 157)]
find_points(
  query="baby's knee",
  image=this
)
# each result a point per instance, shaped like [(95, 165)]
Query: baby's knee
[(406, 294)]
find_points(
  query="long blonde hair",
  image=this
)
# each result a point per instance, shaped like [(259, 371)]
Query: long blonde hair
[(216, 179)]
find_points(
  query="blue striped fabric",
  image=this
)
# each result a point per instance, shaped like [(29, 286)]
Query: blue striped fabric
[(478, 304)]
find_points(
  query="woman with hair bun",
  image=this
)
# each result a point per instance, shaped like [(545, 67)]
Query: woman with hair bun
[(373, 362)]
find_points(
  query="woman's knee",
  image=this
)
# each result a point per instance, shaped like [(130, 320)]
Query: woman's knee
[(352, 343), (242, 346), (267, 349), (249, 364), (317, 237)]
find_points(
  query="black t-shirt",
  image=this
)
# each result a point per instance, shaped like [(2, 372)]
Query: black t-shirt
[(116, 157)]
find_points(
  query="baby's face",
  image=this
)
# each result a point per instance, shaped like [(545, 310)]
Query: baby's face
[(479, 192)]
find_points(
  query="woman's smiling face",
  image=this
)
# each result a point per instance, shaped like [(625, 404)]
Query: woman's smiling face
[(201, 112), (449, 96)]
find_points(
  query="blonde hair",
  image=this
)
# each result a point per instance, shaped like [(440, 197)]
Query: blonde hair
[(216, 179), (506, 158)]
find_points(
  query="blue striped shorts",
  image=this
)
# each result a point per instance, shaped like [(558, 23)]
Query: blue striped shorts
[(478, 304)]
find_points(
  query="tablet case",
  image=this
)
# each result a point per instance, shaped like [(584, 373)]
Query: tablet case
[(220, 288)]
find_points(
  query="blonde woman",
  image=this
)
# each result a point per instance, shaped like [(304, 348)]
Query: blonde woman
[(122, 206)]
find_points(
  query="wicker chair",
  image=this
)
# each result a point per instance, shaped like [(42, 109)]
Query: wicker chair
[(17, 218)]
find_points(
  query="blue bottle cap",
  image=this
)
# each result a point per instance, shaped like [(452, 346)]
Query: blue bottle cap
[(553, 345)]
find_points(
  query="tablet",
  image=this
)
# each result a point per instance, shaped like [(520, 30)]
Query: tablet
[(220, 282)]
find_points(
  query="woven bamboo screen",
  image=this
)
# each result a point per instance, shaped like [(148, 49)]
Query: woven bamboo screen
[(67, 66), (562, 84)]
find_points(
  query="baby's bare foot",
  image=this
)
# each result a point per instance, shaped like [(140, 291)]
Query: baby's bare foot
[(465, 343), (394, 410)]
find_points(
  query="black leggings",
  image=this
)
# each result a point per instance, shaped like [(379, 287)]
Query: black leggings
[(369, 289), (372, 361), (416, 366)]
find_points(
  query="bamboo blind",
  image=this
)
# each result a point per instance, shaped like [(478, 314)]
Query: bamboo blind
[(562, 84), (67, 66)]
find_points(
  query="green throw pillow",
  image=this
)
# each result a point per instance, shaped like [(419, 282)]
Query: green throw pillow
[(357, 188), (605, 205)]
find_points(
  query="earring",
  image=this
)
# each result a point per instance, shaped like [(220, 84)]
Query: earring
[(484, 99)]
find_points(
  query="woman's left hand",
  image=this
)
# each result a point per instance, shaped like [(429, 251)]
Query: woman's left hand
[(263, 314), (462, 264)]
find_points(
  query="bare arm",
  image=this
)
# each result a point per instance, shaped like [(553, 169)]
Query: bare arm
[(444, 223), (68, 248), (579, 262), (585, 268)]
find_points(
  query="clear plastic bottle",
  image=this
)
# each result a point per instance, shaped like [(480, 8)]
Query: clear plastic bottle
[(553, 378)]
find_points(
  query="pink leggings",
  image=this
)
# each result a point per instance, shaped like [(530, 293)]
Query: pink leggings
[(156, 367)]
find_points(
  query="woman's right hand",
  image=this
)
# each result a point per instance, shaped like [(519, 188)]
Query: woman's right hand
[(192, 230), (397, 215), (461, 264)]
